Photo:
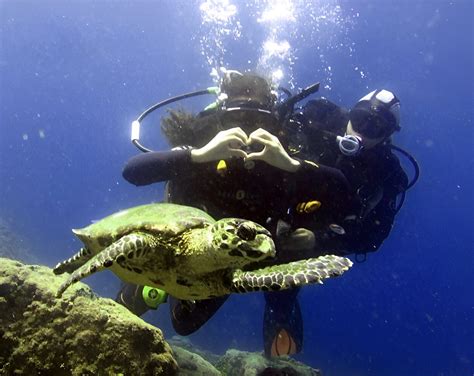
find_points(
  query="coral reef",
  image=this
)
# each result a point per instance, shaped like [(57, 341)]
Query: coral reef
[(82, 334), (192, 364), (79, 334), (185, 343), (242, 363)]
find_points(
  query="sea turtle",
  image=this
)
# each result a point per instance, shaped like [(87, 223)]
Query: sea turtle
[(185, 252)]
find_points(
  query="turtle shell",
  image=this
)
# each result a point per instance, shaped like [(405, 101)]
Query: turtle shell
[(163, 219)]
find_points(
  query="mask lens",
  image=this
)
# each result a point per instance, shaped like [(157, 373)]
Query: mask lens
[(368, 124)]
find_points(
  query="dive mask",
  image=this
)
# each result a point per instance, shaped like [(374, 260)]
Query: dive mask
[(373, 122), (249, 119)]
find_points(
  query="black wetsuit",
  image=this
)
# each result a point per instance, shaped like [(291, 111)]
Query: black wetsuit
[(252, 190)]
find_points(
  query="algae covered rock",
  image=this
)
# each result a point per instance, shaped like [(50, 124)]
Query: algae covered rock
[(235, 362), (242, 363), (79, 334), (192, 364), (186, 344)]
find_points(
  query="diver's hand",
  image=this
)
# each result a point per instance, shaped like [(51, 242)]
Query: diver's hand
[(224, 145), (273, 152)]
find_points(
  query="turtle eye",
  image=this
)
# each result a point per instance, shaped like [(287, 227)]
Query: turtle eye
[(246, 232)]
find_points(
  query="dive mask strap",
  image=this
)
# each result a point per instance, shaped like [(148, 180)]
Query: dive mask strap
[(349, 145)]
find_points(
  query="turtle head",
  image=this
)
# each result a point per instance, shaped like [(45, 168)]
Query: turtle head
[(242, 240)]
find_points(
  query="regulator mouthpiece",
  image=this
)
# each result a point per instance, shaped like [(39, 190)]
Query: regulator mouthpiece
[(349, 145)]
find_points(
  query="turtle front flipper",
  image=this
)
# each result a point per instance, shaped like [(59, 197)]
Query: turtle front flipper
[(74, 262), (125, 247), (290, 275)]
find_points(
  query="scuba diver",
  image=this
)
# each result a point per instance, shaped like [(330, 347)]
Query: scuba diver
[(357, 143), (243, 158)]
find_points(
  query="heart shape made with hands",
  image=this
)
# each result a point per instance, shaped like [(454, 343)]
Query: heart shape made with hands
[(252, 146), (264, 146), (234, 143), (256, 141)]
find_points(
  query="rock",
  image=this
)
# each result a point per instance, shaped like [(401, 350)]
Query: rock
[(79, 334), (82, 334), (242, 363), (185, 343), (191, 364)]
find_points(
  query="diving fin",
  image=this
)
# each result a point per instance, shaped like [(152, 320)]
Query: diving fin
[(283, 324)]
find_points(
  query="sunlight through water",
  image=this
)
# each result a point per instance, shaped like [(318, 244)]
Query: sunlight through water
[(287, 27)]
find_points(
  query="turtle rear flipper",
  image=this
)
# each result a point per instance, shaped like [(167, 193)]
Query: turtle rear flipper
[(74, 262), (290, 275), (117, 252)]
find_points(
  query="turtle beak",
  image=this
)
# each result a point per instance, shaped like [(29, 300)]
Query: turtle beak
[(267, 246)]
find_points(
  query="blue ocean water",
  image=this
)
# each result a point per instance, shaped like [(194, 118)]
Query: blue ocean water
[(75, 74)]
